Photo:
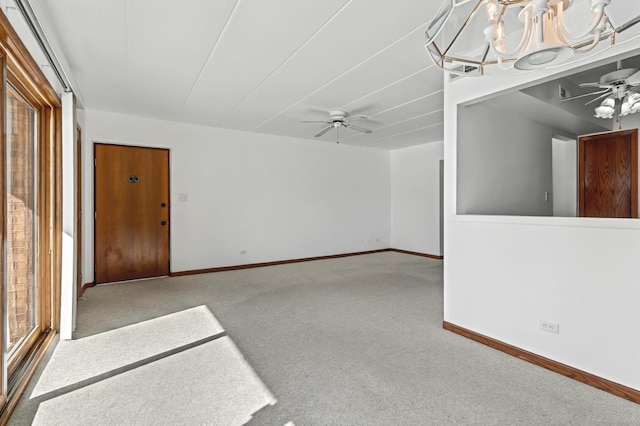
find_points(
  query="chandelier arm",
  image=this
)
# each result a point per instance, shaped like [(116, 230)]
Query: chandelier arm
[(525, 38), (594, 43), (540, 23), (597, 21)]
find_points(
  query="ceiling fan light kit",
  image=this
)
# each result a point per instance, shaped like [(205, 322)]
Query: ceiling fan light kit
[(618, 90), (469, 36), (628, 105)]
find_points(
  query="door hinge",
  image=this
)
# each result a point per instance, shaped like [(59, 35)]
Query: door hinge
[(95, 162), (95, 215)]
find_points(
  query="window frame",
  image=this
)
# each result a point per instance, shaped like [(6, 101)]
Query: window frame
[(18, 68), (42, 323)]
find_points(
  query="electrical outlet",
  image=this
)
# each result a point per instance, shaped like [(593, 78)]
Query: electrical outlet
[(551, 327), (183, 197)]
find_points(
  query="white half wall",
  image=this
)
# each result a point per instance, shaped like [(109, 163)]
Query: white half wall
[(503, 274), (415, 198), (274, 197)]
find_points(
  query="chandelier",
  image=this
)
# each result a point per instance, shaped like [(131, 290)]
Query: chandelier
[(469, 36)]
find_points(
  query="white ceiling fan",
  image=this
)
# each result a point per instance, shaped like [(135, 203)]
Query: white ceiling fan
[(338, 119), (618, 88)]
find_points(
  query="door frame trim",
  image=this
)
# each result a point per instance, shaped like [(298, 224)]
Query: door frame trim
[(93, 186), (634, 167), (79, 220)]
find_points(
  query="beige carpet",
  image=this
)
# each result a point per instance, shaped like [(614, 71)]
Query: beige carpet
[(350, 341), (179, 368), (210, 384)]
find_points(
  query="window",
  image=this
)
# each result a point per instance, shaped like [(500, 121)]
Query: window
[(30, 215), (21, 237)]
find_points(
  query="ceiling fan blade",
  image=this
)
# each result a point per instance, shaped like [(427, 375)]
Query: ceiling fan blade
[(584, 95), (598, 98), (312, 121), (359, 129), (356, 117), (592, 85), (634, 79), (323, 132)]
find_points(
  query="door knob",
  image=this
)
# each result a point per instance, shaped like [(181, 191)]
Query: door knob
[(163, 223), (163, 205)]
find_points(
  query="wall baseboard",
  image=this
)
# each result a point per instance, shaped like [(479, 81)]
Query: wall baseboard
[(84, 287), (415, 253), (275, 263), (557, 367)]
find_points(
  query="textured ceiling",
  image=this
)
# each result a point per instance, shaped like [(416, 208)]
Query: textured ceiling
[(257, 65)]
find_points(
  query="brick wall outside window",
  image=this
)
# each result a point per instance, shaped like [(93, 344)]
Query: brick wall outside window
[(20, 219)]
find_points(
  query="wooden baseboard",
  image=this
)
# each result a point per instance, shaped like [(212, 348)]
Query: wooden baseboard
[(84, 287), (415, 253), (278, 262), (557, 367)]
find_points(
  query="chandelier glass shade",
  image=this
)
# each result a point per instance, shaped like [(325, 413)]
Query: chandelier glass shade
[(473, 37)]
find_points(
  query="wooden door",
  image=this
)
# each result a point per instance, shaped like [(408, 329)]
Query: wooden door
[(132, 213), (608, 175)]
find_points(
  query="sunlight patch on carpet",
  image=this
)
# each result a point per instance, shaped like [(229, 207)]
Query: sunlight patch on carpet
[(209, 384), (76, 360)]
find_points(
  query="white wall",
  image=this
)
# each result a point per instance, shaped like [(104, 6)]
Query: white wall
[(504, 163), (415, 198), (565, 177), (504, 274), (275, 197)]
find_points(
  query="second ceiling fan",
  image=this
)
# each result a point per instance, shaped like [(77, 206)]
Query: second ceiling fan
[(618, 88)]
